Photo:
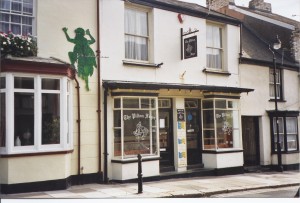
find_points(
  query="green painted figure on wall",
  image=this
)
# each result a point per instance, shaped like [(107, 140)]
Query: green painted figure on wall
[(82, 54)]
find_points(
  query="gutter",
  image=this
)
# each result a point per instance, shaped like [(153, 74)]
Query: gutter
[(105, 134)]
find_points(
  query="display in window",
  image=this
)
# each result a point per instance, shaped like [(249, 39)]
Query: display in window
[(82, 54)]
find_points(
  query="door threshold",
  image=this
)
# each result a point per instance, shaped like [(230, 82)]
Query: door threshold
[(195, 166)]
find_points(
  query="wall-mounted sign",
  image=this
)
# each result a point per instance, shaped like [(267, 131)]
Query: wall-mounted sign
[(190, 47), (180, 115)]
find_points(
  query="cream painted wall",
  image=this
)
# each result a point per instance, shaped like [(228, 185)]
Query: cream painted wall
[(257, 103), (37, 168), (52, 16), (166, 49)]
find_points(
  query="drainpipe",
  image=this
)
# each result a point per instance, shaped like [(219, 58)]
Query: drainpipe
[(78, 124), (105, 134), (241, 43), (99, 89)]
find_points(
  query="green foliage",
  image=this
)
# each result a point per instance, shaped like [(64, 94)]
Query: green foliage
[(17, 45)]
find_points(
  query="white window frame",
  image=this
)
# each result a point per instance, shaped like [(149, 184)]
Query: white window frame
[(152, 153), (66, 128), (147, 37), (221, 49), (277, 83), (22, 14), (237, 144)]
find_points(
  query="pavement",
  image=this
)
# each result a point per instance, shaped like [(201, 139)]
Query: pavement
[(206, 186)]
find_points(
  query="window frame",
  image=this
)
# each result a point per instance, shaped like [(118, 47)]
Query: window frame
[(283, 116), (21, 14), (65, 102), (279, 85), (148, 38), (213, 128), (122, 156), (221, 48)]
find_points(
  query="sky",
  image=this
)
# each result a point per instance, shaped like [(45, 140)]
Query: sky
[(286, 8)]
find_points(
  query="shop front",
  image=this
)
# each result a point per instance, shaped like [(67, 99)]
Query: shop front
[(175, 127)]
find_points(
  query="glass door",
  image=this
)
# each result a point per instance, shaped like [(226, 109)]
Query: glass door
[(193, 132)]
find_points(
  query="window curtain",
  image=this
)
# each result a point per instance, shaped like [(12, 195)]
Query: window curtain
[(136, 35), (214, 47)]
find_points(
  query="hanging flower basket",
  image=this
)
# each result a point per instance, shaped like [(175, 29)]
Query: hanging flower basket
[(17, 45)]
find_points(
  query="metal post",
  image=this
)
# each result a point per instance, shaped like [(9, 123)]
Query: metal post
[(280, 168), (140, 175)]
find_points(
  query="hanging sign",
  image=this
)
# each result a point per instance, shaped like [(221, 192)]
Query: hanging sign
[(190, 47)]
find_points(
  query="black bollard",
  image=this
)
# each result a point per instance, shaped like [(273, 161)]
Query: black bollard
[(140, 175)]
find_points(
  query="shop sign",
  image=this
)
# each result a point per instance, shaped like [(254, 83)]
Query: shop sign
[(190, 47), (180, 115)]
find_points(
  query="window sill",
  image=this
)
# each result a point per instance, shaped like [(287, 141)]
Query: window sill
[(286, 152), (278, 100), (141, 64), (36, 154), (215, 71), (221, 151), (135, 160)]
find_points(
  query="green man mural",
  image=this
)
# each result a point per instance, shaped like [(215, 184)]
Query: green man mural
[(82, 54)]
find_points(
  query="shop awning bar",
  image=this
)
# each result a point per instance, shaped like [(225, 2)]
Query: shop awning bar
[(112, 84)]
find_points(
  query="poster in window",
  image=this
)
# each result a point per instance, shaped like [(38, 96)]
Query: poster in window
[(180, 115), (190, 47)]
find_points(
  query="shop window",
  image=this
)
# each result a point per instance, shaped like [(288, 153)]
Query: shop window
[(288, 134), (135, 126), (17, 16), (41, 114), (136, 34), (221, 128)]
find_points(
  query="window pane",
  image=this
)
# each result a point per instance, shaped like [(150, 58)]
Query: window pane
[(16, 7), (209, 139), (15, 18), (208, 119), (5, 4), (130, 103), (117, 118), (50, 84), (291, 125), (28, 8), (117, 142), (280, 125), (136, 132), (224, 121), (136, 22), (145, 103), (213, 58), (16, 29), (2, 83), (153, 103), (24, 119), (136, 48), (2, 120), (154, 141), (24, 83), (221, 104), (292, 142), (208, 104), (50, 119), (117, 103)]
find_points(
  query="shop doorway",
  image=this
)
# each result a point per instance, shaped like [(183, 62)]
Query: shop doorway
[(193, 132), (166, 135), (250, 130)]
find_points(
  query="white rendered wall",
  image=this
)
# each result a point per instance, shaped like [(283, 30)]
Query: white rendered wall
[(223, 160)]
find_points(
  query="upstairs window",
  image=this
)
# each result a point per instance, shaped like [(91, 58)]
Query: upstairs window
[(214, 47), (277, 83), (17, 16), (136, 34)]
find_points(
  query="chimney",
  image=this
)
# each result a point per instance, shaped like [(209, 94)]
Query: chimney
[(217, 4), (260, 5)]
